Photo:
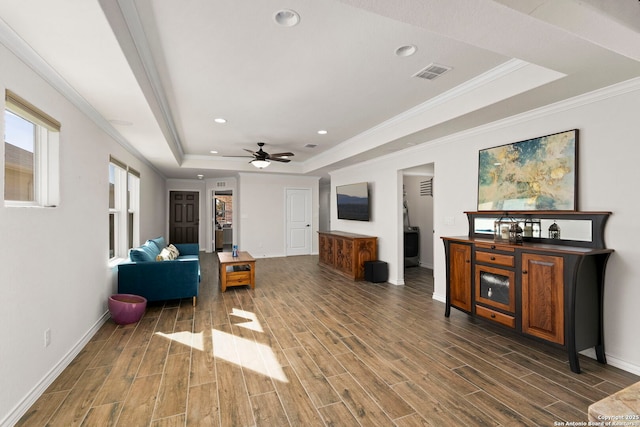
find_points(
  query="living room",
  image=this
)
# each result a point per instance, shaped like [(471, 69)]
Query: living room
[(66, 288)]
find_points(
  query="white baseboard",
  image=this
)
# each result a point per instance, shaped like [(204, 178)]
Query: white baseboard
[(21, 408), (613, 361)]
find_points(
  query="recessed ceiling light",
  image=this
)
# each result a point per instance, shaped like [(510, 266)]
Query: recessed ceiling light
[(287, 18), (200, 176), (322, 132), (220, 120), (213, 152), (407, 50)]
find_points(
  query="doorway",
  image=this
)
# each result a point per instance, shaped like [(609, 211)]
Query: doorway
[(184, 216), (417, 211), (223, 220)]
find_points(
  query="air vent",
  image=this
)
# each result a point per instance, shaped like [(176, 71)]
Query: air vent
[(221, 184), (432, 72), (426, 188), (311, 145)]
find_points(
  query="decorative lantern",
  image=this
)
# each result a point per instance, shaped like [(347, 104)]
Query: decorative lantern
[(515, 234), (554, 231), (501, 228), (531, 228)]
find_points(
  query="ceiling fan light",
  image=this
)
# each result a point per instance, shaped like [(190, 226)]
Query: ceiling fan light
[(260, 164)]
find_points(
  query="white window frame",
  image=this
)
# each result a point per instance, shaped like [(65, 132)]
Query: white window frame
[(133, 208), (118, 210), (46, 153), (126, 202)]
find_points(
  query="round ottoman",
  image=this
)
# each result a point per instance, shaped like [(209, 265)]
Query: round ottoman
[(126, 308)]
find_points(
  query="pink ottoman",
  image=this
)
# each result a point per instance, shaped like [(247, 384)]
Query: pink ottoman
[(126, 308)]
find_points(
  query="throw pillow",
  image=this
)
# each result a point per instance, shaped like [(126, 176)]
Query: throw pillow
[(159, 242), (174, 251), (165, 255)]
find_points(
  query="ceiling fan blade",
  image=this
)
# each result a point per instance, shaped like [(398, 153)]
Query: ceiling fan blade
[(278, 159), (282, 155), (250, 151)]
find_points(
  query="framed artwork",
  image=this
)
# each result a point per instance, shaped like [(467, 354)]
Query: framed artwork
[(539, 174)]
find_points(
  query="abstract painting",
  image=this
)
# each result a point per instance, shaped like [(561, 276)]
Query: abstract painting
[(536, 174)]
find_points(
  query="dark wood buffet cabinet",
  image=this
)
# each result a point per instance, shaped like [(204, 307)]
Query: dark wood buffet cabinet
[(346, 253), (547, 289)]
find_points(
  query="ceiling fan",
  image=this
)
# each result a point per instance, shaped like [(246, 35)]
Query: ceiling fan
[(262, 158)]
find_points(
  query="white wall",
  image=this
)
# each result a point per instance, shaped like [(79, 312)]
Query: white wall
[(325, 206), (55, 272), (261, 203), (385, 198), (608, 172)]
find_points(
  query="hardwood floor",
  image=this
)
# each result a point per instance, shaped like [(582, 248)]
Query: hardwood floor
[(308, 347)]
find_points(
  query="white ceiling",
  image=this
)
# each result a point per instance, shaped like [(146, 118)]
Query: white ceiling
[(155, 73)]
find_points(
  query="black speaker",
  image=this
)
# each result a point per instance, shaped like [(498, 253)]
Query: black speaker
[(376, 271)]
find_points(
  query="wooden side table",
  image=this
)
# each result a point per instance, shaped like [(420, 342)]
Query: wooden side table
[(237, 271)]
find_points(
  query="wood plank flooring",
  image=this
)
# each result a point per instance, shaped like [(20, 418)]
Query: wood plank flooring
[(310, 348)]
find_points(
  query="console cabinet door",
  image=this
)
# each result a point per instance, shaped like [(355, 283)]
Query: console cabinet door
[(543, 297), (460, 275)]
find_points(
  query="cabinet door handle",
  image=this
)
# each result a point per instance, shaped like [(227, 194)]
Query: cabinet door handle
[(524, 271), (493, 258), (493, 316), (493, 246), (468, 261)]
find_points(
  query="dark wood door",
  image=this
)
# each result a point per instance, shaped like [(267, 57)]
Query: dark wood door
[(460, 276), (543, 297), (184, 219)]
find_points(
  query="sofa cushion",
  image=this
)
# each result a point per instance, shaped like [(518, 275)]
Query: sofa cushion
[(160, 243), (147, 252)]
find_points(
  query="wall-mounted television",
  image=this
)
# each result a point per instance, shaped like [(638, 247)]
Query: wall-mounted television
[(353, 201)]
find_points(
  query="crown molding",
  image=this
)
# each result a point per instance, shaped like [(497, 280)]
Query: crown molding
[(31, 59)]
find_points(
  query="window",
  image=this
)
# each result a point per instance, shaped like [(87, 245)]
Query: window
[(31, 145), (124, 208)]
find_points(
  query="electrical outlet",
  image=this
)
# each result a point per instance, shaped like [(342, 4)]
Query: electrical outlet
[(47, 337)]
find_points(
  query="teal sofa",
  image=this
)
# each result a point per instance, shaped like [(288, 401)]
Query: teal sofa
[(156, 280)]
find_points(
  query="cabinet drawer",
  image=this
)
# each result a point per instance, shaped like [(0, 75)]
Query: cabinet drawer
[(499, 259), (495, 247), (496, 316), (238, 277)]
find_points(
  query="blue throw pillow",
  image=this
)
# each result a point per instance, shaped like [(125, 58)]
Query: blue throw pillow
[(147, 252), (139, 255), (160, 243)]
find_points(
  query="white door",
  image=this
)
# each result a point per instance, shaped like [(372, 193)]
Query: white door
[(298, 221)]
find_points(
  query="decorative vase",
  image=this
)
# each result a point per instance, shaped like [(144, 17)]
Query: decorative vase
[(126, 308)]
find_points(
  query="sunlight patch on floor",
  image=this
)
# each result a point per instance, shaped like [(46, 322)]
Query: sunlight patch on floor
[(252, 323), (240, 351), (187, 338), (248, 354)]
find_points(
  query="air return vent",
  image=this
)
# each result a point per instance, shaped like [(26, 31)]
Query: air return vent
[(311, 145), (426, 187), (221, 184), (431, 72)]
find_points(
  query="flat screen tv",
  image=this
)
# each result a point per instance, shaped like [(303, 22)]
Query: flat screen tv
[(353, 201)]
